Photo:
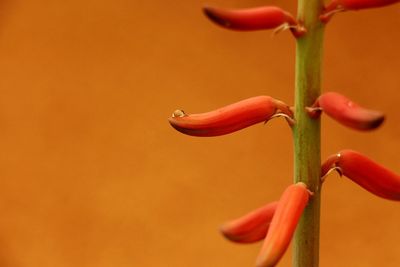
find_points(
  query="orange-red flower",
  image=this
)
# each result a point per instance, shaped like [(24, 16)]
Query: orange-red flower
[(368, 174), (251, 227), (228, 119), (257, 18), (291, 205), (344, 5), (346, 112)]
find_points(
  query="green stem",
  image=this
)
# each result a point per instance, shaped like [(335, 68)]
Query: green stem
[(307, 160)]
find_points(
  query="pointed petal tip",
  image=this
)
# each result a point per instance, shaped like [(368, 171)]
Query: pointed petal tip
[(223, 229), (377, 122), (215, 16), (263, 261), (243, 233)]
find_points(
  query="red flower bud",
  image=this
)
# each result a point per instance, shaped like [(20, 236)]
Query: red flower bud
[(348, 113), (344, 5), (368, 174), (258, 18), (228, 119), (290, 207), (251, 227)]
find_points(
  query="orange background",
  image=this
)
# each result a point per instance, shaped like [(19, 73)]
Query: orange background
[(93, 175)]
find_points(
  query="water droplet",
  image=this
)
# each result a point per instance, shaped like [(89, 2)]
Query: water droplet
[(178, 113)]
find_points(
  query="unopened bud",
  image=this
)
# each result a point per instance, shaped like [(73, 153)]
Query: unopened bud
[(258, 18), (346, 112), (251, 227), (368, 174), (230, 118), (287, 215)]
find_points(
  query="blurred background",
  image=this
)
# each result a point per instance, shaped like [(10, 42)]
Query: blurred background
[(93, 175)]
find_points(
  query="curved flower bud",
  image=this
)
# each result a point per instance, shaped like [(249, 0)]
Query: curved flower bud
[(258, 18), (368, 174), (291, 205), (251, 227), (344, 5), (228, 119), (346, 112)]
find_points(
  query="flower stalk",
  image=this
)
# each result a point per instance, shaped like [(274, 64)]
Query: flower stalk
[(306, 131)]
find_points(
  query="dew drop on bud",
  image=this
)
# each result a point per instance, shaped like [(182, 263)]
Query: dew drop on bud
[(178, 113)]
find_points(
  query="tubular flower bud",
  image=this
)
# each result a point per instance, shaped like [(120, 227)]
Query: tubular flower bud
[(228, 119), (348, 113), (368, 174), (251, 227), (258, 18), (345, 5), (288, 212)]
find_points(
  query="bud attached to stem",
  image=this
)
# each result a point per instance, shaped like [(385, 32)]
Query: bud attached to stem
[(344, 5), (230, 118), (288, 212), (346, 112), (250, 19), (368, 174)]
